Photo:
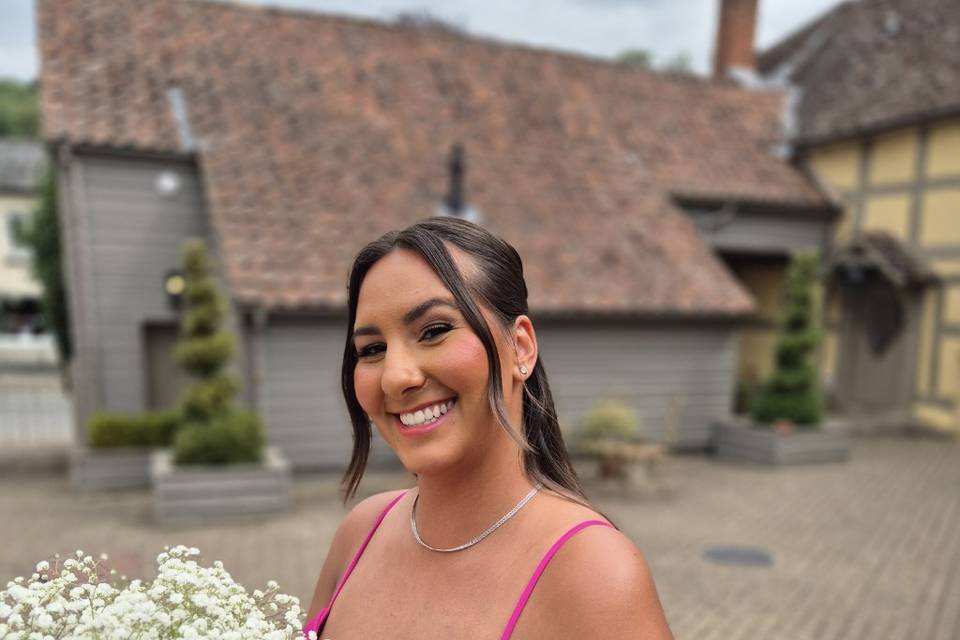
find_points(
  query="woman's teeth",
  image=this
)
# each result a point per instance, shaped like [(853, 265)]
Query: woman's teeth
[(426, 416)]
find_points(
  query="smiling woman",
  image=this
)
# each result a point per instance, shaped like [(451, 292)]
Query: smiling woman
[(442, 358)]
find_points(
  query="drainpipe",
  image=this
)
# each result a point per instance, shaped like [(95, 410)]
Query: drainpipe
[(258, 326)]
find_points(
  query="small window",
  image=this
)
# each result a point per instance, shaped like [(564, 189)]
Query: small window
[(17, 251)]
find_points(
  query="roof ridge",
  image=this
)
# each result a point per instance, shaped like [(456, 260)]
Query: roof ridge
[(472, 37), (800, 35)]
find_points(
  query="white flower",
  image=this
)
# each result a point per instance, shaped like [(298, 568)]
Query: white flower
[(186, 600)]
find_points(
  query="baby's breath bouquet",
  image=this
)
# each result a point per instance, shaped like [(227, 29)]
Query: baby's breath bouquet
[(76, 598)]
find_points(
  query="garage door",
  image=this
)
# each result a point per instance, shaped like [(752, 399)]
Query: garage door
[(303, 406)]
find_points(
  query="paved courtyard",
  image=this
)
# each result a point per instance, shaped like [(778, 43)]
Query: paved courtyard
[(868, 549)]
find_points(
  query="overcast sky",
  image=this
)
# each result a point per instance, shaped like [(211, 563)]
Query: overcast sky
[(596, 27)]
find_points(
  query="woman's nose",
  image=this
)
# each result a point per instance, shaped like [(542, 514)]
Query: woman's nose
[(401, 372)]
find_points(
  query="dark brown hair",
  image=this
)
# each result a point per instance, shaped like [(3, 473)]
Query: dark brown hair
[(499, 286)]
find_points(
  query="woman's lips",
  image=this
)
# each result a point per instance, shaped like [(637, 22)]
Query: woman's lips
[(422, 429)]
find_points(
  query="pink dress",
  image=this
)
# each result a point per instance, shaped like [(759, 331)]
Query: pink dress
[(318, 621)]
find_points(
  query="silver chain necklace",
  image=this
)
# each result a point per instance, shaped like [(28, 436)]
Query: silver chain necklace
[(496, 525)]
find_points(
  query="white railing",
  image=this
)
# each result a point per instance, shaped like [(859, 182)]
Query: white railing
[(33, 407), (27, 349)]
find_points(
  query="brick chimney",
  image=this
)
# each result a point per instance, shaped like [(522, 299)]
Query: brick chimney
[(735, 31)]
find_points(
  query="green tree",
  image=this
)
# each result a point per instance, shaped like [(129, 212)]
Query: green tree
[(18, 109), (679, 64), (636, 58), (214, 430), (42, 235), (793, 392)]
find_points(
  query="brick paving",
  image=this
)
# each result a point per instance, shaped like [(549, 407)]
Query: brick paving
[(867, 549)]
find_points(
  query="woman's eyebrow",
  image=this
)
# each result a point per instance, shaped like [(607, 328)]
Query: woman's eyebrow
[(410, 316)]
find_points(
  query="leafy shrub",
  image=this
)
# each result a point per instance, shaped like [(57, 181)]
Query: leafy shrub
[(609, 430), (109, 430), (611, 420), (215, 431), (161, 427), (204, 319), (800, 409), (207, 399), (793, 392), (205, 355), (233, 438), (115, 430)]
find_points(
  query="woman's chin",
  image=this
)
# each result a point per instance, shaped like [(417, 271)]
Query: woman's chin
[(423, 463)]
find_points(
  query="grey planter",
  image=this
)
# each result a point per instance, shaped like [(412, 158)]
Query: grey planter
[(193, 492), (109, 469), (742, 440)]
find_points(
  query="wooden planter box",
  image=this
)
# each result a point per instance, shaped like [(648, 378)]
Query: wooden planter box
[(743, 440), (109, 469), (191, 492)]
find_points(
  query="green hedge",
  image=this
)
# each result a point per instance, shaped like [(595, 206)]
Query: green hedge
[(114, 430), (236, 437)]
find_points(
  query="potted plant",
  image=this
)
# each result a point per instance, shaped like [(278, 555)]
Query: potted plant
[(611, 435), (787, 412), (218, 464), (118, 448)]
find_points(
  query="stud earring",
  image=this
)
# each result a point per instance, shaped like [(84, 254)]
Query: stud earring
[(523, 370)]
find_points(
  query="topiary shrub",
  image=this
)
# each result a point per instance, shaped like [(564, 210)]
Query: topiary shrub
[(213, 398), (232, 438), (793, 392), (205, 355), (115, 430), (215, 431)]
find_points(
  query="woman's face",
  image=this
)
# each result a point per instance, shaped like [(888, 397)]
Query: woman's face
[(421, 372)]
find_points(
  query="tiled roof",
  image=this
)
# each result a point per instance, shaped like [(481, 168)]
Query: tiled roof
[(316, 133), (22, 163), (871, 65)]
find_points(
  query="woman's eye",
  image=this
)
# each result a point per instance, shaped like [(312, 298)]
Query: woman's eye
[(435, 331), (371, 350)]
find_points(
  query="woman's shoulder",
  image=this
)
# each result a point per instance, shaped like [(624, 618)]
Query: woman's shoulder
[(363, 516), (598, 583), (353, 529)]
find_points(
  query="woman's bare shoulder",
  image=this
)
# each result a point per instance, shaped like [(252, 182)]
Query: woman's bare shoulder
[(599, 584), (364, 514), (349, 536)]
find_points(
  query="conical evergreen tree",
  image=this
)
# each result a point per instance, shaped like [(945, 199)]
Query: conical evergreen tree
[(214, 431), (793, 392)]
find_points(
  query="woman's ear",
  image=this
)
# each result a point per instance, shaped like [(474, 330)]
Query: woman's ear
[(525, 345)]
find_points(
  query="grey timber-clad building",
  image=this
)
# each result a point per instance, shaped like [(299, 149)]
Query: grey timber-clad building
[(289, 139)]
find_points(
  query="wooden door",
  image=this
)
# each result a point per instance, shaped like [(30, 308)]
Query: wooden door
[(166, 381), (876, 382)]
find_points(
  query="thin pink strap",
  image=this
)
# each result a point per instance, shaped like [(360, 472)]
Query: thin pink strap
[(522, 602), (314, 625)]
